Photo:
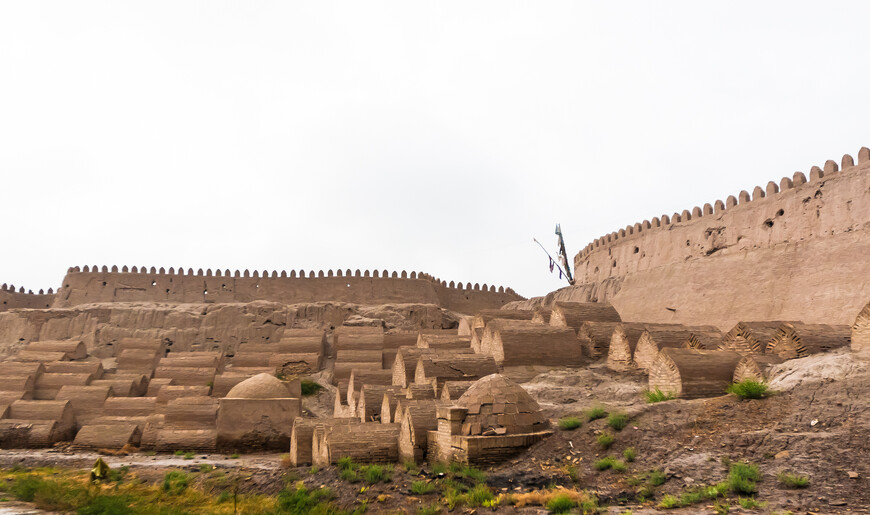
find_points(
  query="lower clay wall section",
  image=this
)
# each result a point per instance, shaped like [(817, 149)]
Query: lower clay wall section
[(11, 299), (796, 250), (85, 286)]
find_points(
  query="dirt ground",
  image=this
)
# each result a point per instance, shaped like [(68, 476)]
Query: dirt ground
[(816, 424)]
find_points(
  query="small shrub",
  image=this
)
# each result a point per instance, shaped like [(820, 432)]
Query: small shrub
[(619, 466), (479, 495), (432, 509), (572, 473), (107, 505), (721, 508), (179, 453), (301, 500), (595, 412), (439, 468), (309, 387), (175, 482), (569, 423), (476, 475), (205, 467), (225, 496), (749, 389), (375, 474), (605, 463), (349, 475), (669, 502), (790, 480), (189, 455), (313, 470), (690, 497), (422, 488), (410, 466), (629, 454), (750, 503), (605, 440), (742, 478), (235, 455), (561, 503), (617, 421), (653, 396), (344, 463), (656, 478), (645, 492)]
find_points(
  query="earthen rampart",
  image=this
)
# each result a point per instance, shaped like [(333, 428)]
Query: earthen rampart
[(793, 249), (12, 299), (143, 284)]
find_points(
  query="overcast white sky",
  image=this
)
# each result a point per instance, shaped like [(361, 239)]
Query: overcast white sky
[(433, 136)]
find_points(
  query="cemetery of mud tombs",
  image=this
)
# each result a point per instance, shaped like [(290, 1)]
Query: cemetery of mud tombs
[(710, 361)]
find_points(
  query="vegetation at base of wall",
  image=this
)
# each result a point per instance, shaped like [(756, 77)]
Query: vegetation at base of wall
[(790, 480), (749, 389), (595, 412), (235, 455), (422, 488), (310, 387), (569, 423), (701, 494), (353, 472), (605, 440), (653, 396), (189, 455), (617, 421)]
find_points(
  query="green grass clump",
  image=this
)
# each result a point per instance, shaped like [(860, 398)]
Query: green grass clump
[(206, 468), (309, 387), (345, 462), (629, 454), (189, 455), (411, 467), (653, 396), (604, 463), (749, 389), (439, 468), (595, 412), (790, 480), (750, 503), (742, 478), (422, 488), (617, 421), (431, 509), (235, 455), (572, 473), (375, 473), (656, 478), (605, 440), (348, 475), (669, 502), (721, 508), (301, 500), (464, 471), (473, 497), (561, 503), (179, 453), (175, 482), (569, 423)]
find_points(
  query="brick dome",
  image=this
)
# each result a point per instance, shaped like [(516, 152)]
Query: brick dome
[(498, 406), (261, 386)]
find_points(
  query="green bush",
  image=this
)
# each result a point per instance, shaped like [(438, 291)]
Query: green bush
[(749, 389), (617, 421), (669, 502), (742, 478), (619, 466), (107, 505), (656, 478), (431, 509), (604, 463), (790, 480), (595, 412), (345, 462), (349, 475), (749, 503), (375, 473), (24, 488), (439, 468), (569, 423), (653, 396), (301, 501), (605, 440), (189, 455), (561, 503), (422, 488), (235, 455), (309, 387), (175, 482), (629, 454)]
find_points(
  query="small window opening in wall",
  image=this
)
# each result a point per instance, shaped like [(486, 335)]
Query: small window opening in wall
[(780, 212), (614, 263), (104, 283), (258, 286), (636, 250), (167, 291), (348, 285), (153, 283), (205, 292)]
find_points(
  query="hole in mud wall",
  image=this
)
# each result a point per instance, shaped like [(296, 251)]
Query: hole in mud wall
[(153, 283), (596, 269), (768, 223), (780, 212), (348, 285), (688, 243), (614, 263), (104, 283), (636, 250)]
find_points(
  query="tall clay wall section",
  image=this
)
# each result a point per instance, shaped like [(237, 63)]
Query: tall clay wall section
[(97, 285), (12, 299), (792, 250)]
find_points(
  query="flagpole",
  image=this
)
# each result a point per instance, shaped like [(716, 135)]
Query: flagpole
[(551, 259)]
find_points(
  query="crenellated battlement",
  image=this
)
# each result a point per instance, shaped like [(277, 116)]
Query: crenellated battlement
[(11, 289), (105, 283), (789, 250), (799, 179), (12, 298)]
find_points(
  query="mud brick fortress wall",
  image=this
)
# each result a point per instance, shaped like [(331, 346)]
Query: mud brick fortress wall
[(793, 250), (98, 285), (10, 298)]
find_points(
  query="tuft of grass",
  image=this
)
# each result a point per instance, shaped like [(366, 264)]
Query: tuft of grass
[(189, 455), (349, 475), (617, 421), (375, 473), (750, 503), (572, 473), (790, 480), (431, 509), (179, 453), (561, 503), (656, 478), (629, 454), (205, 468), (422, 488), (411, 467), (669, 502), (569, 423), (749, 389), (721, 508), (604, 463), (313, 470), (302, 500), (595, 412), (175, 482), (653, 396), (439, 468), (742, 478), (310, 387), (345, 463), (235, 455), (619, 466), (605, 440)]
